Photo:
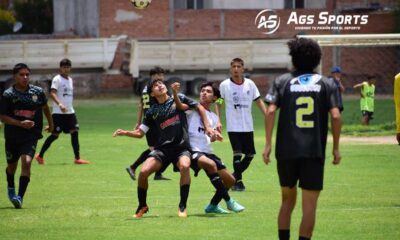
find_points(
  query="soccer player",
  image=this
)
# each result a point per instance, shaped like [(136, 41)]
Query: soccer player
[(172, 144), (397, 105), (306, 99), (238, 94), (146, 102), (337, 79), (62, 91), (21, 111), (367, 92), (202, 152)]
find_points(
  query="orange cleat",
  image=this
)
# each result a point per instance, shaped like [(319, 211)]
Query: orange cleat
[(40, 160), (81, 161), (141, 211)]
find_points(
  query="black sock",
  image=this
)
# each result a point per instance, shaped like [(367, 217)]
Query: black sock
[(23, 185), (140, 159), (142, 196), (237, 167), (219, 186), (10, 180), (184, 196), (49, 140), (75, 144), (284, 234), (246, 162), (304, 238)]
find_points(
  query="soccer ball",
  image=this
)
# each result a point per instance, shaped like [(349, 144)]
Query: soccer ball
[(141, 4)]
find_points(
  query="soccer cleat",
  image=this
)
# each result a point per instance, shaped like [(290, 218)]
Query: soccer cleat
[(141, 211), (11, 193), (81, 161), (239, 186), (234, 206), (160, 177), (40, 160), (182, 212), (131, 173), (17, 202), (215, 209)]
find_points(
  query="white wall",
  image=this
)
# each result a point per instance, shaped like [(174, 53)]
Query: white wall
[(244, 4)]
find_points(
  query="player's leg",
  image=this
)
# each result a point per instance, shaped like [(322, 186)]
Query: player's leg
[(236, 144), (150, 166), (132, 168), (248, 150), (285, 212), (183, 165), (309, 206), (71, 125), (227, 178), (57, 119), (12, 156)]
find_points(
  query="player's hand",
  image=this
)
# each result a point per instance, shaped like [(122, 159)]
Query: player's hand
[(119, 132), (176, 87), (209, 132), (266, 154), (49, 128), (62, 107), (217, 137), (27, 124), (336, 157), (219, 127)]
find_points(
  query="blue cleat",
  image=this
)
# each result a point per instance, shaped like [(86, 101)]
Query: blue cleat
[(215, 209), (11, 193), (234, 206), (17, 202)]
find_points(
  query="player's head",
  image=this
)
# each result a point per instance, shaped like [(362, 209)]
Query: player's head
[(65, 66), (371, 79), (21, 73), (237, 68), (156, 88), (336, 72), (305, 53), (157, 73), (209, 92)]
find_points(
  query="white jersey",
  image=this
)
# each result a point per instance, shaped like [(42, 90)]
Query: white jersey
[(65, 92), (199, 141), (238, 103)]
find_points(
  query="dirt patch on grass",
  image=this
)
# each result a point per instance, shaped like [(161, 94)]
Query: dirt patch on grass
[(368, 140)]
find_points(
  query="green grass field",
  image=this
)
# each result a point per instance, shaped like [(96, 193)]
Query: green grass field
[(361, 199)]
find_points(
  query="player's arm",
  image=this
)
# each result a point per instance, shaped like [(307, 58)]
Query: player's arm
[(175, 90), (336, 126), (46, 111), (261, 106), (53, 96), (137, 133), (202, 112), (139, 115), (341, 87), (269, 121), (218, 106), (360, 85)]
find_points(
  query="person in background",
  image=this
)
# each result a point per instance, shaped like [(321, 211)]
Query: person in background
[(367, 93)]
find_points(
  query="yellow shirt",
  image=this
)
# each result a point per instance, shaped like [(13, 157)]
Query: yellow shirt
[(397, 100)]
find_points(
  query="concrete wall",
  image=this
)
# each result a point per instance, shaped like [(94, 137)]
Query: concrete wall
[(77, 16)]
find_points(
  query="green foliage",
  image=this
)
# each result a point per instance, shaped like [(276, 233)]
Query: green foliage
[(7, 21), (97, 201), (35, 15)]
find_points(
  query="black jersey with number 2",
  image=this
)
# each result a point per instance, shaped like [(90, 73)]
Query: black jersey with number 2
[(304, 102)]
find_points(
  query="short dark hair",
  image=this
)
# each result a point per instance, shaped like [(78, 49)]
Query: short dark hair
[(306, 54), (156, 70), (20, 66), (65, 62), (371, 77), (216, 91), (238, 60), (150, 85)]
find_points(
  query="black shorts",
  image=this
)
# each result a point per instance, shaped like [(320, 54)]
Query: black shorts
[(170, 155), (15, 148), (370, 115), (197, 155), (151, 137), (242, 142), (64, 122), (309, 172)]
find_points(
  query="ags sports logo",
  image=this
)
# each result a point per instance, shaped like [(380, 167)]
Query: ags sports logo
[(268, 20)]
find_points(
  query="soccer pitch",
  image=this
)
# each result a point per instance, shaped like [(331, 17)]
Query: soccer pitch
[(360, 200)]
